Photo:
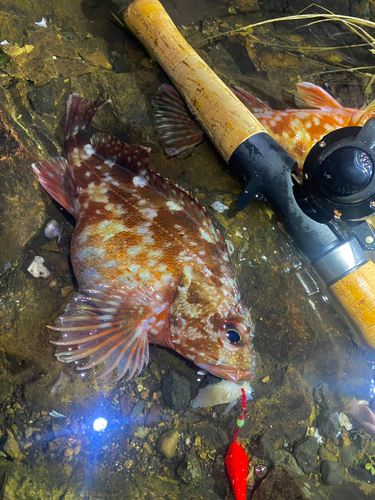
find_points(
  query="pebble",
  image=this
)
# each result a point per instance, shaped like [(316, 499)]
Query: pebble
[(53, 230), (306, 452), (176, 390), (189, 469), (332, 472), (166, 444), (329, 423), (11, 446)]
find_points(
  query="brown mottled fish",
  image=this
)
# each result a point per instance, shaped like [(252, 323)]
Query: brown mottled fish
[(150, 264), (297, 130)]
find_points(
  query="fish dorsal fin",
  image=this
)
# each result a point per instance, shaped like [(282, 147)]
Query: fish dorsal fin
[(360, 117), (133, 158), (113, 149), (176, 128), (109, 324), (309, 95), (80, 113), (253, 104)]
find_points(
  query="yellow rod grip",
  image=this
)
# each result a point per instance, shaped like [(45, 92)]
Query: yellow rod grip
[(224, 118), (356, 293)]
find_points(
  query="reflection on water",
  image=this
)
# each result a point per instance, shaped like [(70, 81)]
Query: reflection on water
[(66, 434)]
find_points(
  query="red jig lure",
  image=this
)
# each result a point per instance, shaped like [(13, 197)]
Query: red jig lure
[(236, 460)]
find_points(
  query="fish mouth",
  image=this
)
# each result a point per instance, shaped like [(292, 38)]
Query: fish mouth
[(230, 373)]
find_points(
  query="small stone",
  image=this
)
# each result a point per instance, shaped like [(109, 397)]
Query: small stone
[(326, 455), (203, 455), (176, 390), (306, 452), (167, 443), (329, 424), (128, 464), (66, 290), (348, 454), (11, 446), (189, 470), (287, 460), (37, 269), (332, 472)]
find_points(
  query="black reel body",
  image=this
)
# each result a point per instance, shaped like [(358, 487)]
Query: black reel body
[(339, 175)]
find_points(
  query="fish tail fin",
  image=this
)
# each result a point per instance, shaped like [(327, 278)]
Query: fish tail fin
[(80, 114), (56, 178), (253, 104), (360, 117), (309, 95)]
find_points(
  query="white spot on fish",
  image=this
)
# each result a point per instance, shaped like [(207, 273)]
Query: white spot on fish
[(149, 213), (173, 206), (109, 163), (204, 235), (139, 181), (316, 121)]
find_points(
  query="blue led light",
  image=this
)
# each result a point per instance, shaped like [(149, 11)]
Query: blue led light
[(100, 424)]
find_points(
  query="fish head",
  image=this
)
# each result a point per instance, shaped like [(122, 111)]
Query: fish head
[(210, 326)]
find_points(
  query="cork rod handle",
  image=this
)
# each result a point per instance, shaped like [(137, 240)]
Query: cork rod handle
[(226, 121), (356, 293)]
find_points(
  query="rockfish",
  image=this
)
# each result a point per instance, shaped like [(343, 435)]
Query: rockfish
[(150, 264), (296, 130)]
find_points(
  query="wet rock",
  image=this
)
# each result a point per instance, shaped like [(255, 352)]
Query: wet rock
[(326, 455), (167, 443), (281, 484), (6, 389), (324, 397), (41, 100), (306, 452), (176, 390), (348, 454), (189, 470), (329, 423), (332, 472), (11, 446), (287, 460)]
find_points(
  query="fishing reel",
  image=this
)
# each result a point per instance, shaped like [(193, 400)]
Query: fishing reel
[(338, 182)]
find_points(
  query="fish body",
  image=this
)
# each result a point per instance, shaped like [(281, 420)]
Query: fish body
[(296, 130), (150, 264)]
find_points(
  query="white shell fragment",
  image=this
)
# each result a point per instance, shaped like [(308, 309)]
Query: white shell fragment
[(42, 23), (221, 393), (219, 207), (37, 269), (345, 422)]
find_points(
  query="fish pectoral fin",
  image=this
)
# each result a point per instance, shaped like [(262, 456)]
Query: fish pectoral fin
[(56, 178), (253, 104), (133, 158), (309, 95), (107, 325), (176, 128), (361, 116)]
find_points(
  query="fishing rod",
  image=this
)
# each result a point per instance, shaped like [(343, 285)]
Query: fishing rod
[(326, 214)]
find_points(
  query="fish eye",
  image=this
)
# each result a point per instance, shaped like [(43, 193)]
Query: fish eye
[(233, 335)]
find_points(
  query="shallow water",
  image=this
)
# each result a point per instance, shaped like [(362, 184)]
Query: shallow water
[(48, 445)]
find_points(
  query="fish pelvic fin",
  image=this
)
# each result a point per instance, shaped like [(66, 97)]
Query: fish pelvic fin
[(56, 178), (108, 325), (359, 118), (253, 104), (309, 95), (80, 114), (176, 128)]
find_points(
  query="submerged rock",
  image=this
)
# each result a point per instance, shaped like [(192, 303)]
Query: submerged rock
[(189, 470), (306, 452), (332, 472), (176, 390), (167, 443)]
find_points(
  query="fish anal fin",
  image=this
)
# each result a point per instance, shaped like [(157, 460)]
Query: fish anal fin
[(360, 117), (176, 128), (133, 158), (109, 325), (56, 178), (253, 104), (309, 95)]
